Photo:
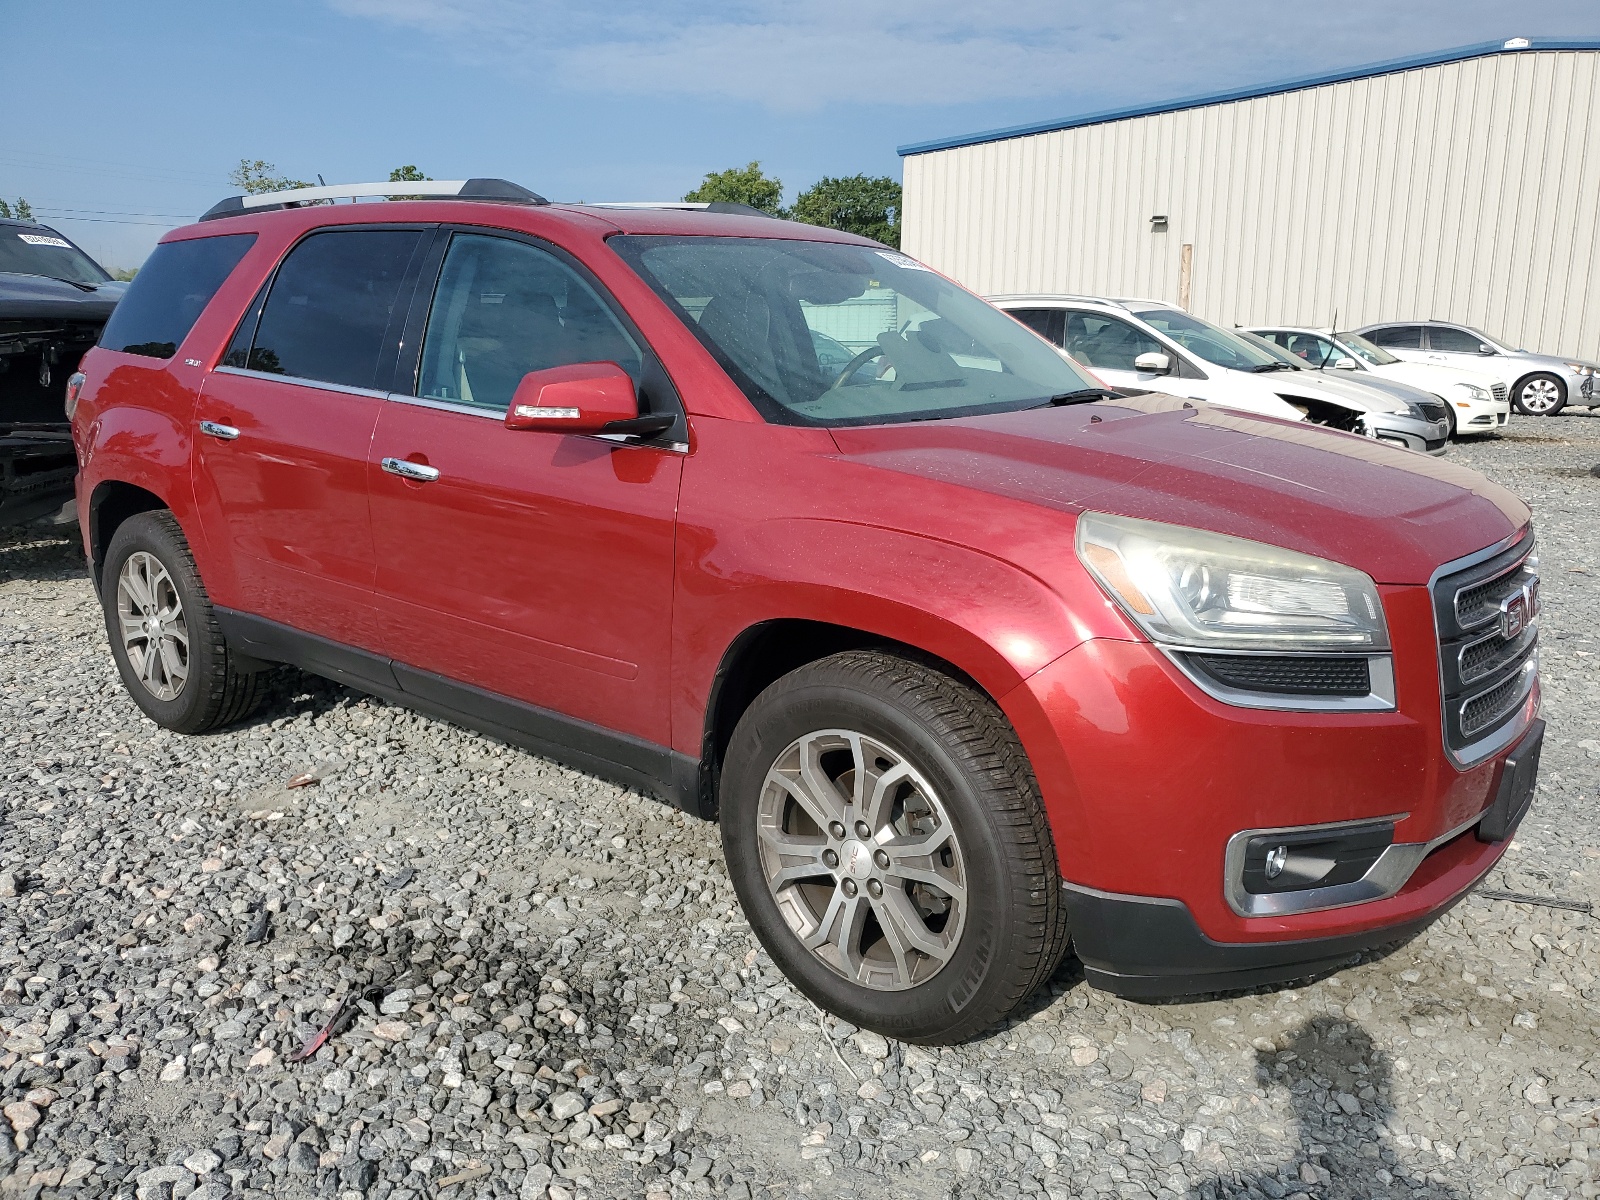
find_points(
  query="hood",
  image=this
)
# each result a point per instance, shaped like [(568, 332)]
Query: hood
[(1550, 362), (38, 296), (1434, 377), (1391, 513), (1364, 392), (1308, 385)]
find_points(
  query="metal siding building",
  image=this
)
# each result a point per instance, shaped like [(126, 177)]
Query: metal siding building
[(1463, 186)]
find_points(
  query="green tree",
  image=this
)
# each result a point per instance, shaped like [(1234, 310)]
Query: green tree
[(861, 204), (740, 185), (124, 274), (256, 176), (23, 211), (407, 174)]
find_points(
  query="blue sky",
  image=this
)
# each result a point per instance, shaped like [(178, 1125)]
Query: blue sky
[(124, 119)]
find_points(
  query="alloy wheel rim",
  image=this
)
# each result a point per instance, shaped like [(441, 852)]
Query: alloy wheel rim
[(1540, 395), (862, 859), (154, 632)]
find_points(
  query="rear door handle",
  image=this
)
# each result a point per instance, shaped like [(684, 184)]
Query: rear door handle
[(212, 429), (410, 470)]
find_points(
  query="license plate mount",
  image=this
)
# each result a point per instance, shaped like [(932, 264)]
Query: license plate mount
[(1514, 794)]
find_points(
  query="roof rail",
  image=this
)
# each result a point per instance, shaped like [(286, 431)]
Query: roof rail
[(500, 190), (728, 207), (1053, 298)]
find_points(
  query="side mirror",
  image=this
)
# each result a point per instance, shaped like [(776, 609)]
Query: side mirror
[(580, 398), (1153, 362), (1485, 350), (1345, 364)]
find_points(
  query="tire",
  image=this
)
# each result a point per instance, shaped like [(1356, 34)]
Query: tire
[(985, 888), (194, 684), (1540, 395)]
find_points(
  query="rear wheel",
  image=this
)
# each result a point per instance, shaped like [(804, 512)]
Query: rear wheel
[(1541, 395), (886, 838), (164, 634)]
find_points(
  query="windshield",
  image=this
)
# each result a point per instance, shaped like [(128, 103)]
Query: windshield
[(40, 251), (1210, 342), (1288, 357), (1373, 353), (817, 333)]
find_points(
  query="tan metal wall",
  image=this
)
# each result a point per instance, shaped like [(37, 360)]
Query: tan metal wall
[(1468, 191)]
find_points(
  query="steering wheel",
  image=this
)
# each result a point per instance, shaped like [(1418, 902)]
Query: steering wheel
[(855, 364)]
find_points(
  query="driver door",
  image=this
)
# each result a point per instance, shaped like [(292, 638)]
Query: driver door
[(1108, 346), (530, 564)]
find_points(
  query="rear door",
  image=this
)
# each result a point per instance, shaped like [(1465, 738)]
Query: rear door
[(532, 564), (285, 423)]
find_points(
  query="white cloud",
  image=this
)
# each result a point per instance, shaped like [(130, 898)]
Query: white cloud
[(792, 56)]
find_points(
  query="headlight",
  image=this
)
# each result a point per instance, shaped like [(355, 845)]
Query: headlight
[(1187, 587), (1474, 392), (1580, 368)]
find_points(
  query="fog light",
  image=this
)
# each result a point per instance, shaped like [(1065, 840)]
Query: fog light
[(1293, 860)]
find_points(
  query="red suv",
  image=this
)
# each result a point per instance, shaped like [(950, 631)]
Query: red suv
[(967, 655)]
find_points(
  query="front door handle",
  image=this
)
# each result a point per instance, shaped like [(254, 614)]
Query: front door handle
[(410, 470), (212, 429)]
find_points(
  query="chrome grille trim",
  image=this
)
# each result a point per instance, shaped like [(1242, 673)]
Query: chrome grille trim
[(1487, 697), (1500, 392), (1485, 595)]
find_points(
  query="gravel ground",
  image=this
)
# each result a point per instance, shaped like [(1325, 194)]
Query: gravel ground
[(556, 994)]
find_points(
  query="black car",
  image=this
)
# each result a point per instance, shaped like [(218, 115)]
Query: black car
[(54, 299)]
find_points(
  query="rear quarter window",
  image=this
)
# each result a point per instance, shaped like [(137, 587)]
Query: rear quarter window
[(170, 292)]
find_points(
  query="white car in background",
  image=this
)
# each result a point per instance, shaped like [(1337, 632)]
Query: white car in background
[(1153, 346), (1478, 403), (1541, 384)]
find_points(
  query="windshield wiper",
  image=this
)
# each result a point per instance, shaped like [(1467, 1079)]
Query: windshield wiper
[(86, 287), (1274, 366), (1080, 396)]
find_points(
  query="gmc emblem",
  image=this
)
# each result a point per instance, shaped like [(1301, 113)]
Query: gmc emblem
[(1517, 609)]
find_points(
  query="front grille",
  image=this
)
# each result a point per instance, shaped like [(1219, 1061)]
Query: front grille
[(1433, 410), (1499, 391), (1341, 675), (1486, 616), (1489, 708)]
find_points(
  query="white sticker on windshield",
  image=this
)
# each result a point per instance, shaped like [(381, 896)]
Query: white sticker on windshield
[(900, 260), (36, 239)]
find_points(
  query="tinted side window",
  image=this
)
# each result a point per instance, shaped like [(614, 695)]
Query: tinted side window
[(1107, 342), (1398, 337), (504, 308), (1046, 322), (170, 292), (1453, 341), (330, 305)]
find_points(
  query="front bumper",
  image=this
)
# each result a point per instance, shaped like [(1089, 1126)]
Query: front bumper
[(1150, 946), (36, 474), (1414, 433), (1145, 947)]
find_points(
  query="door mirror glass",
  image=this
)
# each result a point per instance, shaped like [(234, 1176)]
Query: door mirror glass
[(580, 398), (1152, 362)]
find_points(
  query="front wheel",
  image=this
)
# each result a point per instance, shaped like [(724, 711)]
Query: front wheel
[(164, 634), (886, 838), (1541, 395)]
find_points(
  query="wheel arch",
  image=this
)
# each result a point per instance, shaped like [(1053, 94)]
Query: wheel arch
[(112, 503), (765, 652)]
